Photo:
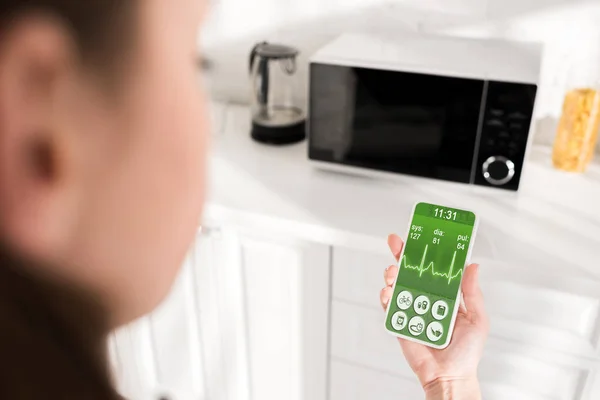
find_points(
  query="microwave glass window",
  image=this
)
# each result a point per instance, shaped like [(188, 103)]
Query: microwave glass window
[(396, 121)]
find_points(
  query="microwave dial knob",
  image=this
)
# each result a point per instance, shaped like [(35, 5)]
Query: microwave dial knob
[(498, 170)]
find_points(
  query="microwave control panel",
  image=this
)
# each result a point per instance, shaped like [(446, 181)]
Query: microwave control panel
[(505, 129)]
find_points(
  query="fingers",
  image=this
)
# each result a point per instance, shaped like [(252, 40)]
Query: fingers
[(472, 295), (388, 291), (470, 284), (396, 244), (390, 275), (385, 296)]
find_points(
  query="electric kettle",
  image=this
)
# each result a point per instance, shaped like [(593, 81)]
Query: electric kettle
[(276, 117)]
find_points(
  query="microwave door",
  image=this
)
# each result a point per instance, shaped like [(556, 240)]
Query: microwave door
[(408, 133), (402, 122)]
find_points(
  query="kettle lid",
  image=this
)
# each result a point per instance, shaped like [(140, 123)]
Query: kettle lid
[(275, 51)]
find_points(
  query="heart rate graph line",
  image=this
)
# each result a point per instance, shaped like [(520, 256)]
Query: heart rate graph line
[(431, 267)]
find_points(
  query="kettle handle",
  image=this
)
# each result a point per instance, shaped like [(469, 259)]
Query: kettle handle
[(261, 92), (253, 54)]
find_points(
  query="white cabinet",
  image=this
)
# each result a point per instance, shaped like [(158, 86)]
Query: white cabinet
[(543, 339), (354, 382), (247, 319), (287, 305), (358, 339), (265, 317), (190, 347)]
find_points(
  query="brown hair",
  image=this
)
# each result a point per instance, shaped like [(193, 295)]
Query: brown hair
[(101, 28), (52, 336)]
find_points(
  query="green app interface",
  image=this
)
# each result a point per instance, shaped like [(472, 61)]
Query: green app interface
[(430, 273)]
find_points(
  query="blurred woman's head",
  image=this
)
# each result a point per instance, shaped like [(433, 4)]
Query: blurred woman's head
[(102, 143)]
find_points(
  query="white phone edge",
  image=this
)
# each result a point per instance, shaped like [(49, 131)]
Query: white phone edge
[(459, 293)]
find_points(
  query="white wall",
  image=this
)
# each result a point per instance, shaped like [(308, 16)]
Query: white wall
[(566, 27)]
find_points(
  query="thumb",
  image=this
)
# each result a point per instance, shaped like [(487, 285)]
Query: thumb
[(472, 294)]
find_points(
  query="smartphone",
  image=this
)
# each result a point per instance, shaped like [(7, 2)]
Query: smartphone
[(427, 290)]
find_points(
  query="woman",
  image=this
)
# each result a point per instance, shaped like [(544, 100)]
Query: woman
[(102, 156)]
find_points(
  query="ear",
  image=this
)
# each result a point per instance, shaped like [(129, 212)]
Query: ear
[(36, 65)]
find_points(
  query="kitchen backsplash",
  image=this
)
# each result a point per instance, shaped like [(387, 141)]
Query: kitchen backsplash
[(233, 26)]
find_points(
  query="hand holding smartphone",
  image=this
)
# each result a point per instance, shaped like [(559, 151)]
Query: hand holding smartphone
[(427, 290)]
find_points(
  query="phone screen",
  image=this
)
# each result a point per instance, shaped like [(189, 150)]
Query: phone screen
[(430, 273)]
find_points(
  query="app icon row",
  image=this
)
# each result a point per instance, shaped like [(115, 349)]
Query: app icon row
[(416, 326), (422, 305)]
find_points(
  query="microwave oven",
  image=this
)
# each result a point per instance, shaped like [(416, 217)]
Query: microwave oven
[(446, 108)]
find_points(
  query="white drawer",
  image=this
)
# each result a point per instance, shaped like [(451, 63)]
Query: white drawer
[(351, 382), (521, 307), (358, 337)]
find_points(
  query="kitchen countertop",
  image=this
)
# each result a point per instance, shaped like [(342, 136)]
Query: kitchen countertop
[(552, 225)]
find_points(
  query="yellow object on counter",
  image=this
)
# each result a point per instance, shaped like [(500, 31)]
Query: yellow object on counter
[(577, 133)]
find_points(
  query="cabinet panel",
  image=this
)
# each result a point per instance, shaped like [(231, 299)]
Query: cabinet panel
[(352, 382), (358, 337), (191, 346), (176, 341), (127, 373), (274, 332), (219, 287), (286, 298), (591, 387), (544, 317), (247, 319), (521, 308)]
